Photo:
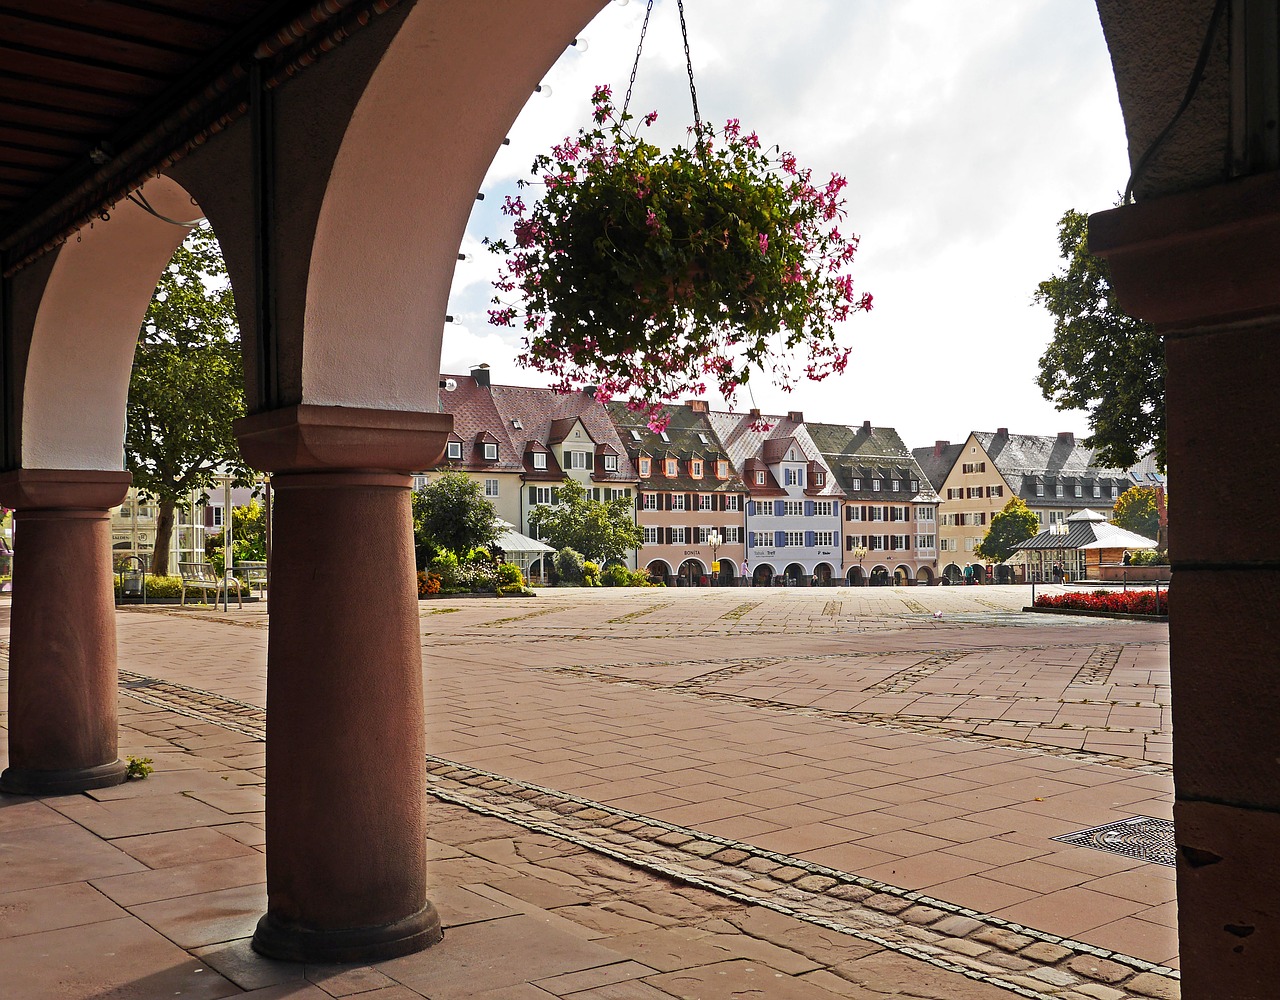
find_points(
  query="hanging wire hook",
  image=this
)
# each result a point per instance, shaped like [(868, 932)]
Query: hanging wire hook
[(688, 60)]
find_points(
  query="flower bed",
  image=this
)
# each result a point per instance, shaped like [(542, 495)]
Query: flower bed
[(1132, 602)]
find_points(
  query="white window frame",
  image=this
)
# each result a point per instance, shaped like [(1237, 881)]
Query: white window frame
[(760, 478), (649, 501), (826, 539), (793, 508), (706, 501), (678, 502), (679, 536), (540, 460), (793, 539), (695, 468), (490, 451), (732, 503), (453, 450), (611, 463), (650, 535), (491, 487)]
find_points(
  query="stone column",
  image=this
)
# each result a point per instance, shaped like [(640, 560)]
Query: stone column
[(346, 770), (1204, 267), (62, 643)]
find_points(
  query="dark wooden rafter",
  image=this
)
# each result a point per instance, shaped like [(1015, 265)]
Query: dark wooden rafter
[(97, 97)]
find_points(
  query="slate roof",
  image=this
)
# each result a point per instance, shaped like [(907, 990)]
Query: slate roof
[(1027, 459), (865, 453), (936, 462), (684, 441), (750, 444)]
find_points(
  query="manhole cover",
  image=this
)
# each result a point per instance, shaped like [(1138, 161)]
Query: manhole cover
[(1142, 837)]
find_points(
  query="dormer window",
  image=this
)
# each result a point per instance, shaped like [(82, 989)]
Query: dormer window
[(875, 486), (490, 452), (646, 467), (670, 467), (855, 484), (895, 485), (611, 463), (820, 479), (454, 450), (722, 469), (578, 459), (760, 478), (695, 468), (539, 459)]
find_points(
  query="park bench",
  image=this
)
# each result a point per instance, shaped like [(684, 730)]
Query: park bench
[(201, 577), (254, 573)]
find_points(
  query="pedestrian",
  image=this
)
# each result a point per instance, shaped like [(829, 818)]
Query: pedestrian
[(968, 574)]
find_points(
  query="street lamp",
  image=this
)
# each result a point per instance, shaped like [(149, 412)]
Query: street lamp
[(860, 553), (715, 540)]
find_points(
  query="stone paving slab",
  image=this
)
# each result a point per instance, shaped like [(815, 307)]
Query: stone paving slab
[(928, 797)]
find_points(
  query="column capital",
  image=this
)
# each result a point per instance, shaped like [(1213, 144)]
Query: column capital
[(63, 489), (1208, 257), (311, 438)]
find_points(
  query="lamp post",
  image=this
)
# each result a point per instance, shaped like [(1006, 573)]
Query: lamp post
[(860, 553), (715, 540)]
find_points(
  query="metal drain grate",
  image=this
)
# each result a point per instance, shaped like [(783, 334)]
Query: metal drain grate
[(1142, 837)]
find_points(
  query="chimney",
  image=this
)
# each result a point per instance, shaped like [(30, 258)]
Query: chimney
[(939, 447), (1002, 432), (481, 375), (866, 426), (755, 413), (697, 405), (796, 417), (1066, 437), (589, 390)]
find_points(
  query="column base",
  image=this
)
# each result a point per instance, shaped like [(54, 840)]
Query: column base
[(279, 939), (31, 781)]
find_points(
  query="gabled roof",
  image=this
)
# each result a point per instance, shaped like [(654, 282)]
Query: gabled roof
[(745, 437), (936, 462), (684, 441), (1043, 455), (539, 410), (866, 452), (476, 419)]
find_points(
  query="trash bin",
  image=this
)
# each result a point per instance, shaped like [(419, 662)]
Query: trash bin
[(131, 583)]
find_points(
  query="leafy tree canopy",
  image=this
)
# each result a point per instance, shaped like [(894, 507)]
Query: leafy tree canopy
[(1136, 511), (1099, 359), (248, 534), (600, 529), (1015, 523), (451, 513), (187, 385)]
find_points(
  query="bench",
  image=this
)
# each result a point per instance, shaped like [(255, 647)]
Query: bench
[(255, 574), (201, 577)]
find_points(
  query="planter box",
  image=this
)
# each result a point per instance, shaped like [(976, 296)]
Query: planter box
[(1097, 614)]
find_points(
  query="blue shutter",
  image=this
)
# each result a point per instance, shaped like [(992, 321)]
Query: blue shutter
[(780, 539), (778, 508), (808, 508), (751, 508), (810, 539)]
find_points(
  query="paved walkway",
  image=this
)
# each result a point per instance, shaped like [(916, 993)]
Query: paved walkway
[(836, 790)]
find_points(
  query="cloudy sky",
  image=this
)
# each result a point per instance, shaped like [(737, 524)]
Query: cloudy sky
[(965, 127)]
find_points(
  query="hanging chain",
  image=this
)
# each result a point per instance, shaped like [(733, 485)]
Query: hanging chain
[(688, 60), (644, 28)]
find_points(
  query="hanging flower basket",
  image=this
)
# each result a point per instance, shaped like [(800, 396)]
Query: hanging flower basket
[(653, 274)]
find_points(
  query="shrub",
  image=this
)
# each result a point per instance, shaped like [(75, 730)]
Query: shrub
[(616, 575), (641, 578), (1147, 557), (590, 574), (474, 576), (1132, 602), (569, 567), (509, 575), (445, 566)]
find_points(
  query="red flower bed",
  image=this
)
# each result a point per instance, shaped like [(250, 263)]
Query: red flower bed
[(1132, 602)]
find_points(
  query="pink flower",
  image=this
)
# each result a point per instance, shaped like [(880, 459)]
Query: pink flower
[(651, 221), (732, 128), (763, 240), (651, 117)]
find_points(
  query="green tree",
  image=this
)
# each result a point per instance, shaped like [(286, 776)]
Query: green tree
[(1099, 359), (187, 385), (1015, 523), (451, 513), (600, 529), (248, 534), (1136, 511)]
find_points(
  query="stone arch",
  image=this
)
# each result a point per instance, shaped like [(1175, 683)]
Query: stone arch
[(385, 243), (924, 576), (692, 572), (855, 576), (880, 576), (91, 310), (795, 574), (902, 575), (823, 574), (953, 573), (659, 571), (762, 575)]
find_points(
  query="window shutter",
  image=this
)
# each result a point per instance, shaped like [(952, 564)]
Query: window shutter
[(808, 508), (778, 509), (779, 539), (848, 513), (666, 501), (751, 508), (533, 494), (848, 543), (810, 539), (555, 495)]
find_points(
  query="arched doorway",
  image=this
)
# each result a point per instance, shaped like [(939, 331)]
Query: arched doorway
[(822, 575), (659, 572), (692, 574), (795, 574), (902, 576), (855, 577), (924, 576), (1004, 574), (953, 573), (726, 575), (880, 577), (763, 576)]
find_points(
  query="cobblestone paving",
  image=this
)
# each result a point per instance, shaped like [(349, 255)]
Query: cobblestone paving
[(1024, 961)]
